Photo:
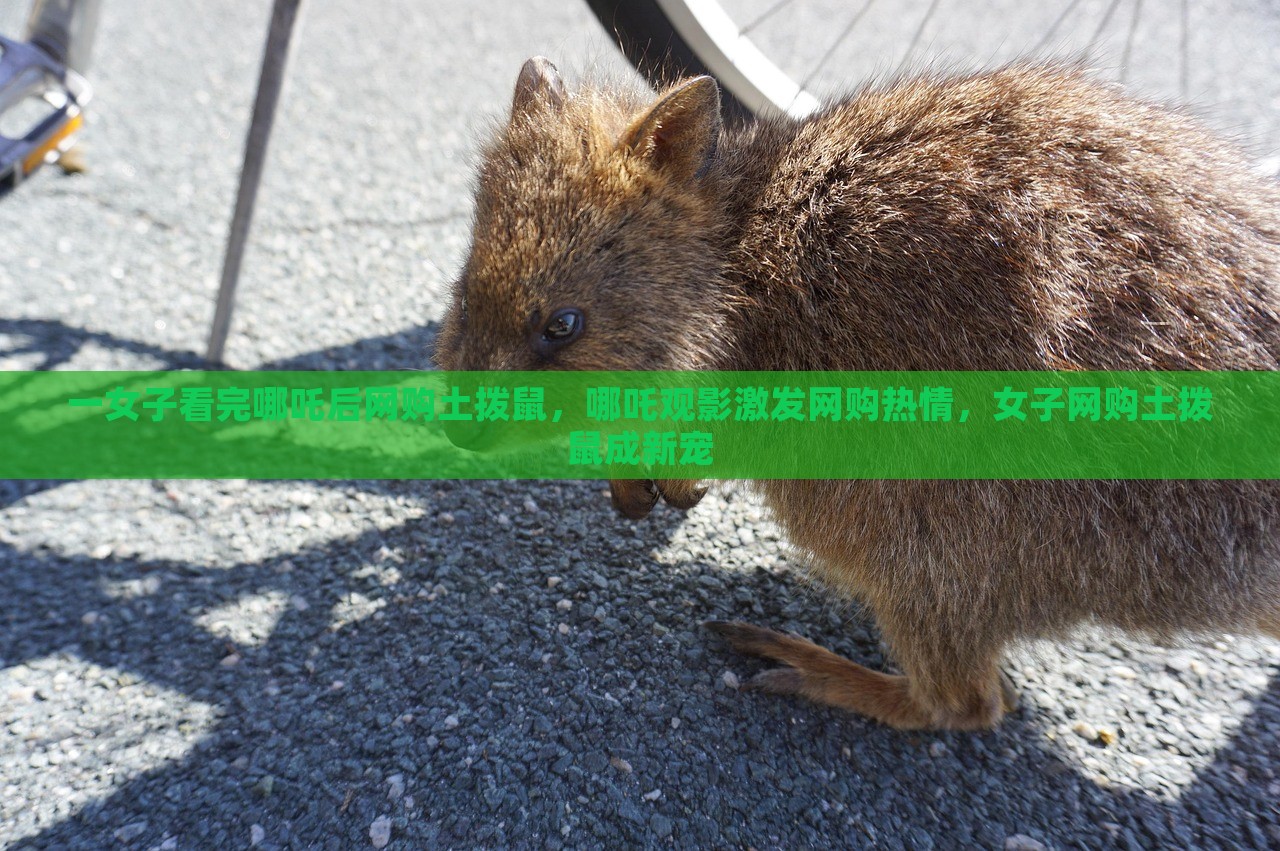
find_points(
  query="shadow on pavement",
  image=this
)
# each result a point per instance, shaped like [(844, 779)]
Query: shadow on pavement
[(433, 651)]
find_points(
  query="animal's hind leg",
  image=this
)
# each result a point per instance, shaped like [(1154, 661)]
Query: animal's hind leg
[(971, 697)]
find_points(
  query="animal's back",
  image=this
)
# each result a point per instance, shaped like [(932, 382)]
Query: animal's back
[(1024, 219), (1027, 219)]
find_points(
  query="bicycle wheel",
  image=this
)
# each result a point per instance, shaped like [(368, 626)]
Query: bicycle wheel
[(788, 56), (662, 53)]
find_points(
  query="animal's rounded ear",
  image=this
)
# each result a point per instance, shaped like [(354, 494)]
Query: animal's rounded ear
[(539, 81), (679, 133)]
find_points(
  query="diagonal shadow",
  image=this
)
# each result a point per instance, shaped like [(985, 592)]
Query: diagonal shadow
[(497, 721), (56, 344), (452, 693)]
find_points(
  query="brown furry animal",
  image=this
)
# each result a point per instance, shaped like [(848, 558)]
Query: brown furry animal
[(1027, 218)]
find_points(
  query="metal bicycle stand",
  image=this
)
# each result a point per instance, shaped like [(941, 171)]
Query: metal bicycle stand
[(284, 14)]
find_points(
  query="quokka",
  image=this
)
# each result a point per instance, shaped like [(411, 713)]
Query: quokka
[(1022, 219)]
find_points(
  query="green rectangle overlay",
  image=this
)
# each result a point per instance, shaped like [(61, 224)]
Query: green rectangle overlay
[(594, 425)]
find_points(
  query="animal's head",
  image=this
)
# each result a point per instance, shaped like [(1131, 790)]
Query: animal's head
[(592, 245)]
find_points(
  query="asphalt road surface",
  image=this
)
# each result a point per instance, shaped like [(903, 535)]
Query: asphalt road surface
[(437, 664)]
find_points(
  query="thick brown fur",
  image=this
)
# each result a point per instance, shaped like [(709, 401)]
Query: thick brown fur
[(1027, 218)]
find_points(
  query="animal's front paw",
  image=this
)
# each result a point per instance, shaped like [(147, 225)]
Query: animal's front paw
[(681, 493), (634, 498)]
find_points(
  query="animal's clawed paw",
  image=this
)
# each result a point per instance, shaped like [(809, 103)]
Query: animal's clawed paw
[(768, 644), (681, 493), (1008, 694), (817, 674), (758, 641), (755, 640), (633, 498), (786, 680)]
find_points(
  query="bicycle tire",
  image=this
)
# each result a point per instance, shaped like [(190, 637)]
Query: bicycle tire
[(667, 38), (656, 49)]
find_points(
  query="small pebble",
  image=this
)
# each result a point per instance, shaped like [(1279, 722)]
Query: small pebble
[(564, 605), (652, 795), (620, 764), (395, 787), (1022, 842), (451, 722), (563, 629), (730, 680), (130, 832), (256, 834), (380, 831)]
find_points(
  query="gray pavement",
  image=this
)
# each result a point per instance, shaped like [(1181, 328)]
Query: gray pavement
[(317, 664)]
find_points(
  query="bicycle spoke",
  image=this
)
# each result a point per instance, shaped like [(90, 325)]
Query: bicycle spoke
[(764, 16), (832, 49), (1048, 36), (1106, 19), (933, 7), (1106, 35), (1128, 42)]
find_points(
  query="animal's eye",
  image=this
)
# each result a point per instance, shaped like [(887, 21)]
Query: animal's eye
[(565, 325)]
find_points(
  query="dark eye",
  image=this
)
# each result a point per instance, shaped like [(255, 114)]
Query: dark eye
[(564, 325)]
